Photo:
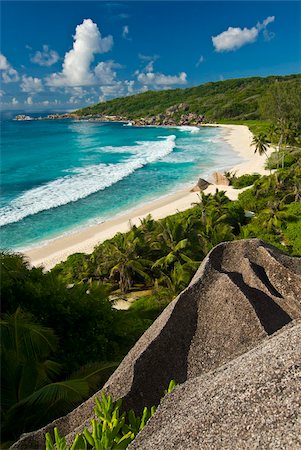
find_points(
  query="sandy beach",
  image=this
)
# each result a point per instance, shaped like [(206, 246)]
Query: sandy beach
[(84, 240)]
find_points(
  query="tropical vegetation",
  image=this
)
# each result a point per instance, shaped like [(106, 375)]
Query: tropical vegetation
[(61, 335), (236, 99), (112, 430)]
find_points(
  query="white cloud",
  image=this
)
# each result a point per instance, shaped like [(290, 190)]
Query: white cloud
[(31, 85), (150, 78), (29, 101), (200, 61), (130, 86), (46, 57), (104, 72), (159, 79), (76, 69), (3, 62), (46, 102), (14, 101), (234, 38), (8, 73), (2, 92), (265, 23), (125, 32)]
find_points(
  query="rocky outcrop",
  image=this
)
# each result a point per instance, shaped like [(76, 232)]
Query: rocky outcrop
[(243, 292), (253, 402), (22, 117), (219, 178), (201, 185)]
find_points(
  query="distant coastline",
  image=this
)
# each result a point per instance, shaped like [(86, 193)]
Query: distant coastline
[(84, 240)]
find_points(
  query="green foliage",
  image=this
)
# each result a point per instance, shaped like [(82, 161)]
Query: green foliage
[(112, 430), (236, 99), (292, 231), (260, 143), (66, 311), (243, 180), (34, 387), (160, 256), (282, 103), (276, 202)]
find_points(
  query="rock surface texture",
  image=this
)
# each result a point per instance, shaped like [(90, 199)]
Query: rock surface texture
[(252, 402), (244, 292)]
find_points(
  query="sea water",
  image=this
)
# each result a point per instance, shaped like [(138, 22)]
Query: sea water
[(58, 176)]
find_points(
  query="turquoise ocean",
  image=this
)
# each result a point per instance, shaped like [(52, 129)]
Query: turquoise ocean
[(58, 176)]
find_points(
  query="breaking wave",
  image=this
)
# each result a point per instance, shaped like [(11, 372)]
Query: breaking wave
[(85, 181)]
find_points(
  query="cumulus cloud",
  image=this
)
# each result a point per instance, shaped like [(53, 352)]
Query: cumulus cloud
[(31, 85), (159, 79), (3, 62), (117, 89), (76, 70), (104, 72), (148, 77), (46, 57), (235, 38), (8, 73), (14, 101), (265, 23)]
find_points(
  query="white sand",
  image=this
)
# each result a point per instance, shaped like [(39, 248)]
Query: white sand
[(84, 240)]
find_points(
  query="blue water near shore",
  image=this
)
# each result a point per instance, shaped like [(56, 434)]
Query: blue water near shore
[(57, 176)]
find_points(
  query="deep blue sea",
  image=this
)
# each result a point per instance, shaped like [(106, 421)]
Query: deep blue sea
[(60, 175)]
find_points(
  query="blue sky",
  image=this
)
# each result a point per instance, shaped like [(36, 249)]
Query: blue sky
[(63, 55)]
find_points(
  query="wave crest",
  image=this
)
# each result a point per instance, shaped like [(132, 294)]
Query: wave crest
[(84, 181)]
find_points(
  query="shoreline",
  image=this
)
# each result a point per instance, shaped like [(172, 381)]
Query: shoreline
[(84, 240)]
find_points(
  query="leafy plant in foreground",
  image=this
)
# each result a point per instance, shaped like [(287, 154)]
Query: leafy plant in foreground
[(112, 430)]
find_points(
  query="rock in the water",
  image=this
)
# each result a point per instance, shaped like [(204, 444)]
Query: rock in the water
[(219, 178), (243, 292)]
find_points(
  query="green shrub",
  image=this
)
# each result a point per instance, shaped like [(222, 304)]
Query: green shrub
[(292, 232), (112, 430), (244, 180)]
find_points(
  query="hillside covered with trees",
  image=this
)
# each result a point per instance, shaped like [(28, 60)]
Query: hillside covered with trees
[(237, 99)]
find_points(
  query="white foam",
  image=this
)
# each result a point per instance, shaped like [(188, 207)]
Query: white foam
[(189, 128), (84, 181)]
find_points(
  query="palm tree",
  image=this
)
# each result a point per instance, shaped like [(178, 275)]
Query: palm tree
[(33, 392), (261, 144), (214, 230), (121, 258), (273, 216), (172, 241), (178, 279)]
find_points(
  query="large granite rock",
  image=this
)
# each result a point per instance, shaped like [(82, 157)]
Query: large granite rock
[(243, 292), (219, 178), (201, 185), (253, 402)]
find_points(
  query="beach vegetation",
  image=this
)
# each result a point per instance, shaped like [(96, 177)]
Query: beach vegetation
[(242, 181), (112, 429), (35, 387), (60, 328)]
